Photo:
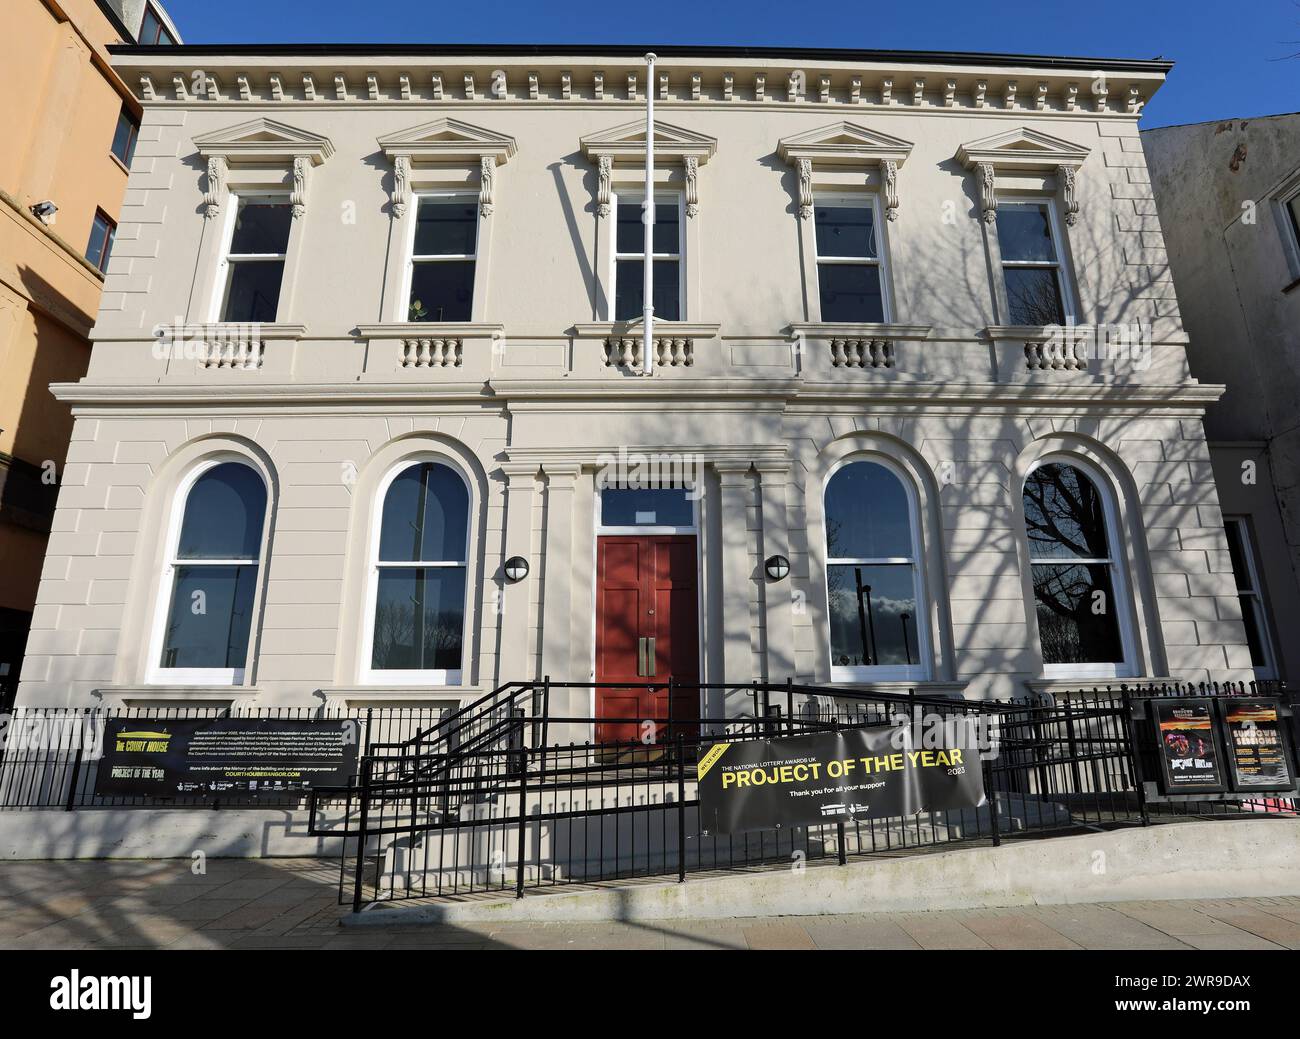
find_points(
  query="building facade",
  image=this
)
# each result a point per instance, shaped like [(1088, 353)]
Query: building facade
[(369, 418), (1229, 194), (70, 126)]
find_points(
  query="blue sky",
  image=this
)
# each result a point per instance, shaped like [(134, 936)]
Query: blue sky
[(1227, 54)]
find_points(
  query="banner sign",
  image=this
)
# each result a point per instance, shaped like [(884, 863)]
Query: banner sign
[(1258, 747), (1188, 750), (224, 757), (832, 777)]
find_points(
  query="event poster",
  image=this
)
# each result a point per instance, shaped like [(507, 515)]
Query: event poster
[(224, 757), (1258, 749), (1189, 752), (832, 777)]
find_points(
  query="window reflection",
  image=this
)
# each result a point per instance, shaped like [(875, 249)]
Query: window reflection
[(1069, 551), (419, 617), (872, 575), (214, 571)]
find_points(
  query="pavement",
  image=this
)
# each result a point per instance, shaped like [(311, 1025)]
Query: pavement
[(293, 904)]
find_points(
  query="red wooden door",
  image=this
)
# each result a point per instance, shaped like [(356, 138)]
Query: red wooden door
[(647, 631)]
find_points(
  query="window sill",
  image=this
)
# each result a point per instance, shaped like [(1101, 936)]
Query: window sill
[(361, 695), (178, 695), (897, 687), (426, 329), (1057, 685), (676, 329), (198, 330), (859, 330), (1034, 333)]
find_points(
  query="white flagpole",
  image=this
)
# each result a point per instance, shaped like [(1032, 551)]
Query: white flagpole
[(648, 219)]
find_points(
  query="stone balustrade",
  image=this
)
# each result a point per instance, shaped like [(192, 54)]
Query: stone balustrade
[(432, 352)]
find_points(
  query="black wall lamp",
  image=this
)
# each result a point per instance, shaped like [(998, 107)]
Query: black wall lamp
[(777, 567), (516, 569)]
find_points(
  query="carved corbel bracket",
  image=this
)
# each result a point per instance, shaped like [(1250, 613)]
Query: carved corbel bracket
[(216, 185), (988, 192), (1066, 175), (804, 167), (401, 185), (889, 177), (692, 165), (298, 198), (603, 188), (487, 181)]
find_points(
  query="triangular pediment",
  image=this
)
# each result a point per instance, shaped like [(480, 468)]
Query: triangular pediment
[(266, 140), (628, 141), (448, 140), (1023, 148), (844, 143)]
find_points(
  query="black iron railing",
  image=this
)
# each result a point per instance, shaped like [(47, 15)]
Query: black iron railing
[(526, 789), (497, 798), (50, 756)]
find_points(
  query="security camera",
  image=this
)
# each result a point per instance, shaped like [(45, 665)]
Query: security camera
[(44, 211)]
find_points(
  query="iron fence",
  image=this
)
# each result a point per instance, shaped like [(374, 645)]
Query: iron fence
[(489, 801), (525, 788), (50, 756)]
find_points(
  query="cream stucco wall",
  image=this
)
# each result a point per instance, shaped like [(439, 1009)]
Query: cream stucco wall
[(533, 407)]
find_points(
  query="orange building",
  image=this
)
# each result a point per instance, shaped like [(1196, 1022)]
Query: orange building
[(69, 126)]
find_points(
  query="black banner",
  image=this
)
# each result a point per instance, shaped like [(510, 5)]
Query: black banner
[(1188, 747), (832, 777), (1258, 748), (224, 757)]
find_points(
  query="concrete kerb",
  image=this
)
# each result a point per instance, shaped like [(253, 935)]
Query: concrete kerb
[(1218, 859)]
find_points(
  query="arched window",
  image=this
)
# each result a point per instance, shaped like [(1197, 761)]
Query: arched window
[(1078, 588), (210, 584), (873, 579), (417, 616)]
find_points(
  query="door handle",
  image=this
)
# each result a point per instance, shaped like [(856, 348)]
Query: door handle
[(650, 656), (640, 657)]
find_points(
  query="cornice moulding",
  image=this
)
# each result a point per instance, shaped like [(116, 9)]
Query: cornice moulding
[(540, 457), (709, 393)]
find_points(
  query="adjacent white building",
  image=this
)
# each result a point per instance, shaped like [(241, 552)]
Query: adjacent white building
[(368, 417), (1229, 192)]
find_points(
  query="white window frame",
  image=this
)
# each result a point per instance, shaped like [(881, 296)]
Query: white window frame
[(1064, 281), (881, 261), (443, 677), (663, 528), (1263, 623), (1119, 582), (920, 671), (408, 273), (155, 673), (1288, 223), (225, 270), (619, 197)]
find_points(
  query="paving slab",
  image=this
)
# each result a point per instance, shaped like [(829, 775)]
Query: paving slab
[(293, 904)]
